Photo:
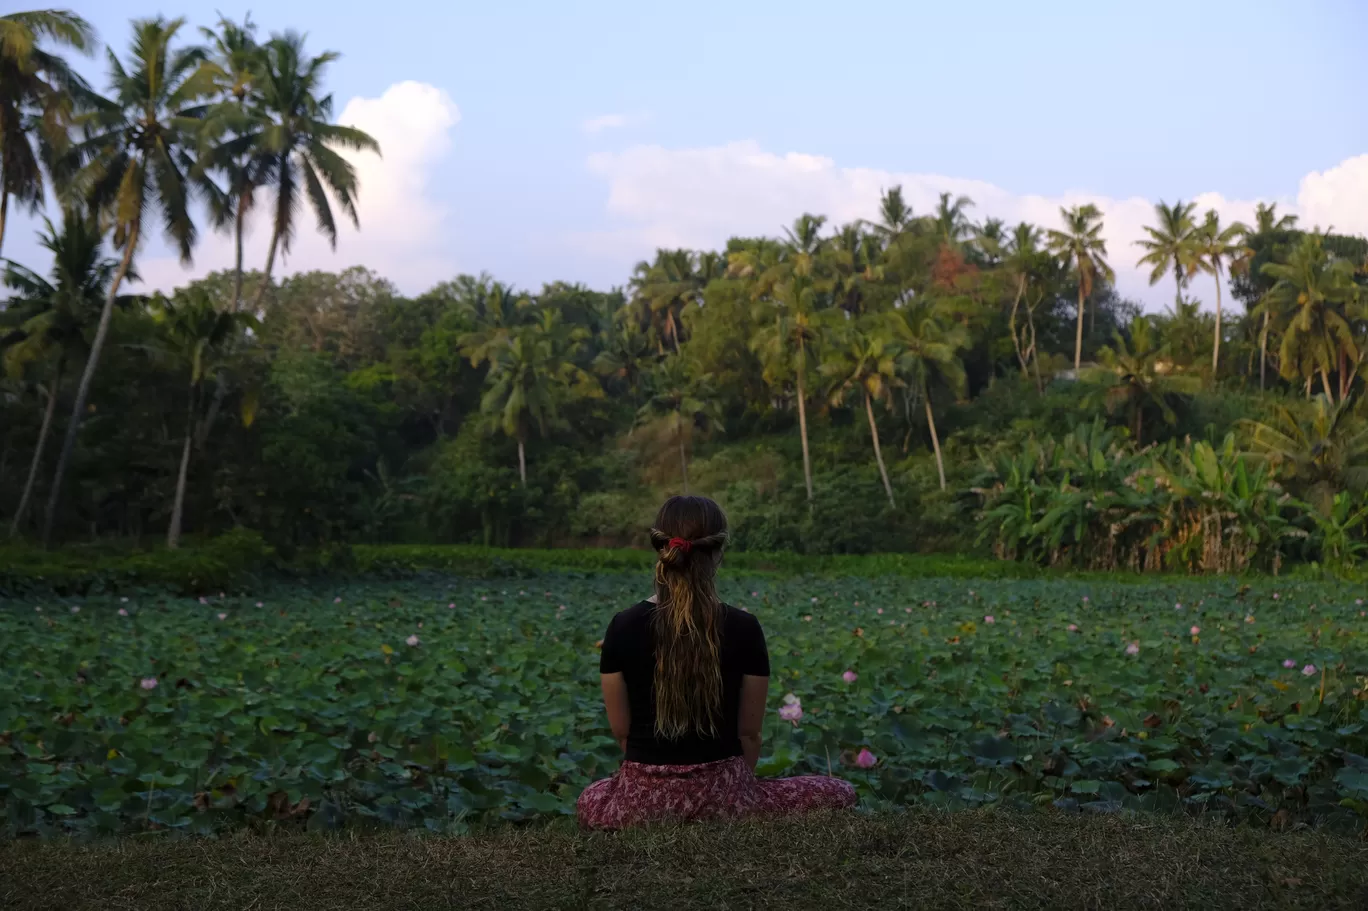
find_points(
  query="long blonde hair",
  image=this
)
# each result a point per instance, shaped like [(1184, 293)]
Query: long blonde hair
[(688, 536)]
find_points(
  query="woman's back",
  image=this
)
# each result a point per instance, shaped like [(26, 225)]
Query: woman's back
[(629, 648)]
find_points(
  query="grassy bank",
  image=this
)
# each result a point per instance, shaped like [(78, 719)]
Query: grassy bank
[(964, 860), (242, 560)]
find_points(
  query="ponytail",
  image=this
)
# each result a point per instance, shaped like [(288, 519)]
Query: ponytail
[(689, 536)]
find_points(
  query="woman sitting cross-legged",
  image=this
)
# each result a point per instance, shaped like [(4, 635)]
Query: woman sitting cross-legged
[(684, 681)]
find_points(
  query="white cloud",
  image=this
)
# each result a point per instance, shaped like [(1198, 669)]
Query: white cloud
[(604, 122), (402, 228), (699, 197)]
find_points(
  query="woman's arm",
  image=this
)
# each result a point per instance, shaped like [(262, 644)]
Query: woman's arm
[(619, 710), (754, 691)]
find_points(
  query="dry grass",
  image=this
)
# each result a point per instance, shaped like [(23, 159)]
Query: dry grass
[(974, 860)]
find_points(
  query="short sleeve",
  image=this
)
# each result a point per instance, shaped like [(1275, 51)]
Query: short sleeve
[(754, 654), (610, 655)]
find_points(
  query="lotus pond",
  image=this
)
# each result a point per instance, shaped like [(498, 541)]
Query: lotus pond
[(448, 703)]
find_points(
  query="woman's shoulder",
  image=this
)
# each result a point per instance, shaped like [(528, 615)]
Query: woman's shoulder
[(635, 614), (741, 617)]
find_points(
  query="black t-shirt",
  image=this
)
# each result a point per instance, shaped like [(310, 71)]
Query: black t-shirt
[(629, 648)]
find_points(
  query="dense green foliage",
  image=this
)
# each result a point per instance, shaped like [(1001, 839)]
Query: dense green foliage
[(443, 702), (838, 389)]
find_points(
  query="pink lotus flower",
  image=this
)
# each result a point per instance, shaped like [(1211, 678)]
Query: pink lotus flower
[(865, 759), (222, 615), (793, 713), (1289, 663), (808, 618), (908, 609), (1178, 606), (561, 607), (260, 604), (1073, 627), (203, 600), (412, 640), (879, 611), (850, 676), (38, 610), (1309, 670), (451, 606), (755, 594), (123, 612), (971, 593), (484, 597), (1133, 648), (75, 609), (989, 619), (814, 600), (1358, 601), (1275, 596), (148, 683), (337, 600), (1085, 599), (1195, 630)]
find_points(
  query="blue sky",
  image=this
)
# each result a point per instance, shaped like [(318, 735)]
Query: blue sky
[(736, 117)]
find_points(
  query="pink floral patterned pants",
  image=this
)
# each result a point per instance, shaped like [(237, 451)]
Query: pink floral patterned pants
[(641, 793)]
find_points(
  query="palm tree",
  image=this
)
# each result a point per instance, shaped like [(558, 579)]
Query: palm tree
[(195, 333), (52, 318), (803, 242), (929, 351), (299, 146), (38, 95), (136, 155), (866, 362), (685, 401), (532, 375), (951, 223), (1081, 247), (1267, 238), (1321, 454), (663, 289), (235, 131), (1170, 243), (1309, 289), (784, 348), (895, 215), (494, 311), (991, 239), (1213, 248), (1138, 379)]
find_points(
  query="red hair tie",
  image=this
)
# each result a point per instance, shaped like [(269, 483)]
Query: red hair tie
[(681, 544)]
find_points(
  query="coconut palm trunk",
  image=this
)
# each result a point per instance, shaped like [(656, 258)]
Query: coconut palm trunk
[(522, 463), (87, 379), (683, 454), (4, 213), (1263, 350), (238, 219), (878, 453), (802, 428), (1216, 343), (266, 278), (935, 440), (173, 533), (1078, 340), (38, 448)]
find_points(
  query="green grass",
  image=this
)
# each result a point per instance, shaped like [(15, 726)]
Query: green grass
[(972, 860)]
